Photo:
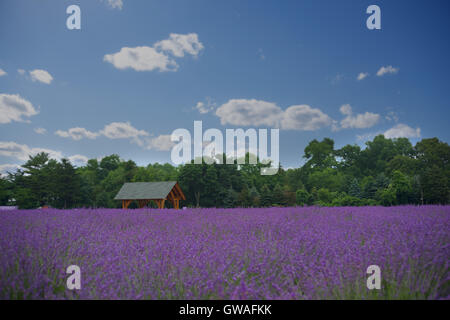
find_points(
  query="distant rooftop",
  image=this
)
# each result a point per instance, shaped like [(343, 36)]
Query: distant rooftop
[(145, 190)]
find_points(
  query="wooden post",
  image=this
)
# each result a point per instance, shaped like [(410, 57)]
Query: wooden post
[(142, 203), (160, 203), (125, 204)]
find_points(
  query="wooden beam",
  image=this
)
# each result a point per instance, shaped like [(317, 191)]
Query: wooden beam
[(174, 191), (142, 203), (125, 204), (182, 196), (160, 203), (175, 203)]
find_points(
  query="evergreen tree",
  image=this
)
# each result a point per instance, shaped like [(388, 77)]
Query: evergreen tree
[(230, 198), (5, 191), (354, 190), (68, 185), (266, 196), (254, 197), (212, 187), (278, 197), (435, 186), (244, 199)]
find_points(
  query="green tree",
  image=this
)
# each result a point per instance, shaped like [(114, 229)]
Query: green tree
[(369, 187), (387, 197), (377, 154), (402, 186), (434, 182), (212, 187), (192, 182), (320, 155), (278, 197), (354, 190), (254, 196), (230, 198), (244, 199), (5, 191), (329, 178), (350, 156), (434, 158), (302, 197), (37, 180), (324, 196), (266, 196), (68, 184)]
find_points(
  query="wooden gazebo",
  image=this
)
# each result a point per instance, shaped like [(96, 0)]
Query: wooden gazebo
[(144, 192)]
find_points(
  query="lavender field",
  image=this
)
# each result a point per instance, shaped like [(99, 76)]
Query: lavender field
[(273, 253)]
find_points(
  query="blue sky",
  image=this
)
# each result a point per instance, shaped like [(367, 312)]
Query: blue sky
[(244, 64)]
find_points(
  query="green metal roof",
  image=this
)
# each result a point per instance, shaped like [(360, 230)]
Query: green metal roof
[(145, 190)]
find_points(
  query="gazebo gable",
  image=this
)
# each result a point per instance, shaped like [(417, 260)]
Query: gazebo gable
[(143, 192)]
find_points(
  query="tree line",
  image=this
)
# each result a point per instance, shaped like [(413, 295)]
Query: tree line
[(386, 172)]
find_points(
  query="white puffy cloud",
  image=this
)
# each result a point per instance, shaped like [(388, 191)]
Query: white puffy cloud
[(41, 76), (359, 121), (161, 143), (40, 130), (244, 112), (2, 72), (22, 151), (122, 130), (141, 59), (388, 69), (115, 4), (367, 136), (402, 131), (178, 44), (157, 57), (114, 130), (203, 107), (13, 108), (5, 168), (78, 159), (305, 118), (362, 76), (346, 109), (77, 133), (200, 106)]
